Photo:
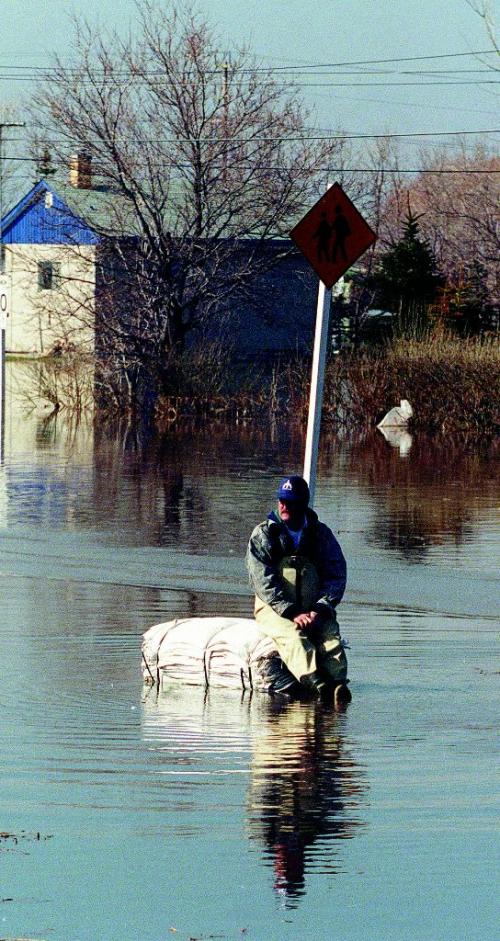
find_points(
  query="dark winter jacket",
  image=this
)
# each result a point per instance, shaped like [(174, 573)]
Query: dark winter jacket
[(271, 542)]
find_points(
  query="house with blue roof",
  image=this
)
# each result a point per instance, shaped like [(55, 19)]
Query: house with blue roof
[(51, 246)]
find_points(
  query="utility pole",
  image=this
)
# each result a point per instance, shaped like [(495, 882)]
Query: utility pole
[(226, 114), (4, 292)]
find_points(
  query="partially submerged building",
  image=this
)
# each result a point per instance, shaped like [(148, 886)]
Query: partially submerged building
[(53, 241), (57, 249)]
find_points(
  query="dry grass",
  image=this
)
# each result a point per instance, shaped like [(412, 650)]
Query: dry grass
[(452, 384)]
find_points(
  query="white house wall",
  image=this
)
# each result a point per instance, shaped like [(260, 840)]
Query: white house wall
[(42, 319)]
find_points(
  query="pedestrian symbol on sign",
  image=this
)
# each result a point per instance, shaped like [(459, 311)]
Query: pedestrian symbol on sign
[(332, 235), (322, 236), (341, 230)]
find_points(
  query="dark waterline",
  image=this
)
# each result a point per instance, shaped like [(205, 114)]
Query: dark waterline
[(124, 814)]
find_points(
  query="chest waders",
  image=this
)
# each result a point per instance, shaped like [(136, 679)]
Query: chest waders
[(301, 651), (301, 582)]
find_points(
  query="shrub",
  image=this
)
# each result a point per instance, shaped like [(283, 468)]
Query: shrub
[(452, 385)]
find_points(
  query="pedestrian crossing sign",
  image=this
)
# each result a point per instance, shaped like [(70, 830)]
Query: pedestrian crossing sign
[(332, 235)]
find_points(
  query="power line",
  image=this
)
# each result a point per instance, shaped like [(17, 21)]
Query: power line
[(485, 81), (330, 65), (37, 73), (137, 79), (320, 169), (28, 72), (220, 139), (293, 68)]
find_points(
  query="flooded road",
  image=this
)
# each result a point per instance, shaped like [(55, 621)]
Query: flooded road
[(125, 816)]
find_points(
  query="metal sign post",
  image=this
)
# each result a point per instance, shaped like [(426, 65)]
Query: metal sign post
[(332, 235), (317, 383)]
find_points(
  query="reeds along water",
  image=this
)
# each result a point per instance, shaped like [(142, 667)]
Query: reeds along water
[(452, 384)]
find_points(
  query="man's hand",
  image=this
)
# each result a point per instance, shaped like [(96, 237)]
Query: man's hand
[(307, 620)]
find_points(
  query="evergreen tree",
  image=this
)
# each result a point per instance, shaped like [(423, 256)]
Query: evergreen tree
[(407, 279), (470, 308)]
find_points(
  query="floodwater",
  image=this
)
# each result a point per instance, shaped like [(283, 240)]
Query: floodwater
[(128, 816)]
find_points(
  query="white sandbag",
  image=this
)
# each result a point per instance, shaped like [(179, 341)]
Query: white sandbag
[(398, 416), (216, 651)]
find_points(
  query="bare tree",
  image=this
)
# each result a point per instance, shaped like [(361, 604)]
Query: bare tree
[(456, 197), (484, 9), (377, 182), (9, 163), (210, 156)]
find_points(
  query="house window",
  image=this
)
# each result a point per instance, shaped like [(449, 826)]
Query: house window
[(48, 276), (2, 259)]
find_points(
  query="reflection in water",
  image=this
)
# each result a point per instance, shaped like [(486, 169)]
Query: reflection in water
[(427, 498), (200, 489), (304, 792), (45, 451), (398, 438), (183, 488)]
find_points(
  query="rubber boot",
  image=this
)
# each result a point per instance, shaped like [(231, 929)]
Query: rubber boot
[(314, 683), (341, 696), (282, 682)]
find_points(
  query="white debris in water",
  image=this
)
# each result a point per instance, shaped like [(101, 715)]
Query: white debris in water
[(397, 416)]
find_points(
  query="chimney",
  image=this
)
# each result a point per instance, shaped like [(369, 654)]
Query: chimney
[(80, 171)]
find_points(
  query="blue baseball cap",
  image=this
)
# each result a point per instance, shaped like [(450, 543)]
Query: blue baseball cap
[(294, 489)]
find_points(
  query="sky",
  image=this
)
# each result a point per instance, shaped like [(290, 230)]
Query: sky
[(401, 97)]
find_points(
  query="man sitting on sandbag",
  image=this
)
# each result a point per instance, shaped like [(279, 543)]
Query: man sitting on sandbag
[(298, 572)]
